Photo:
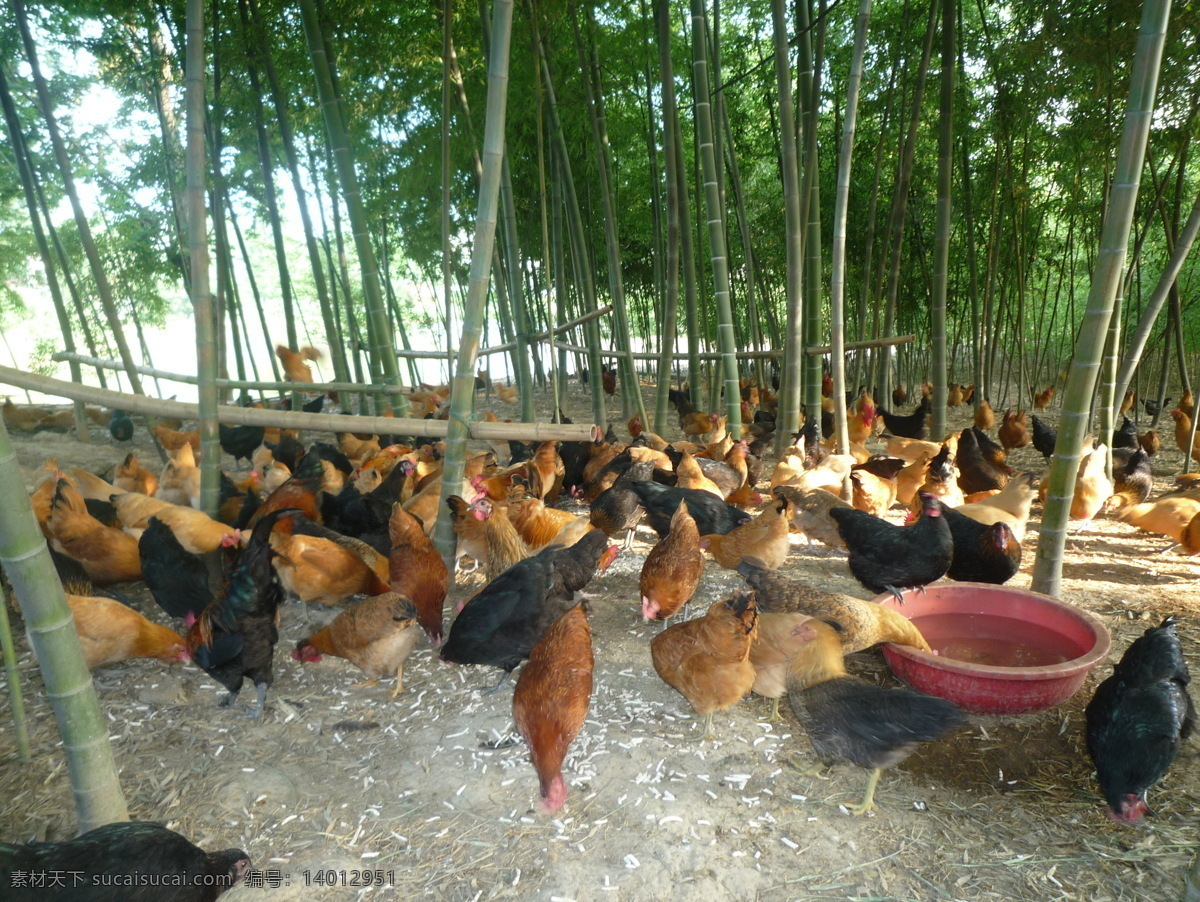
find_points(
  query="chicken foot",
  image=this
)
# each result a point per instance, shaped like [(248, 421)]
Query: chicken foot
[(868, 802), (488, 690)]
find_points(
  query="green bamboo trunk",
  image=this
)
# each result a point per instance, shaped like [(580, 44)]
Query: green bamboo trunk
[(941, 246), (716, 229), (462, 391), (1114, 240), (26, 562), (662, 17)]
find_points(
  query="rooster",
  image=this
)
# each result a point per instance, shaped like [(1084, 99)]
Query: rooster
[(295, 363)]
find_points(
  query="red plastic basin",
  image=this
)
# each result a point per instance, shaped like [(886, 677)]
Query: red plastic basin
[(1000, 650)]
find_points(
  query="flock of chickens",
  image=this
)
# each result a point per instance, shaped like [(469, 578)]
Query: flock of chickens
[(328, 524)]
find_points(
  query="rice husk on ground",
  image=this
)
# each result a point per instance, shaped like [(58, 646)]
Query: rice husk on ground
[(344, 779)]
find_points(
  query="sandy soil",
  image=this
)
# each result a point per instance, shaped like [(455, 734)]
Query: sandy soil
[(343, 779)]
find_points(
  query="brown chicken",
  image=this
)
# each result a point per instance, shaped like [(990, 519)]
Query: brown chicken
[(539, 525), (1042, 399), (318, 569), (1092, 486), (196, 531), (417, 571), (131, 476), (779, 637), (376, 635), (180, 479), (1009, 506), (872, 493), (1186, 404), (707, 660), (108, 555), (110, 632), (688, 475), (551, 699), (765, 537), (295, 363), (1149, 442), (863, 623), (172, 440), (355, 448), (911, 478), (45, 484), (698, 423), (23, 418), (1190, 543), (1014, 430), (985, 417), (1167, 516), (549, 470), (954, 395), (1183, 433), (1128, 401), (507, 393), (861, 419), (302, 491), (486, 534), (672, 569)]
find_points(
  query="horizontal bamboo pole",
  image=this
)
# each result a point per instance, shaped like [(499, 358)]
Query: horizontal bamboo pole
[(287, 419), (311, 387), (557, 330), (640, 355), (814, 350)]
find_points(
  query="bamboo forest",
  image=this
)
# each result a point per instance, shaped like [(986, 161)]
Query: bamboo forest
[(574, 450)]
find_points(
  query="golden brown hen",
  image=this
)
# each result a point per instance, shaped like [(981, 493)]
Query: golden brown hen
[(376, 635), (672, 569), (765, 537)]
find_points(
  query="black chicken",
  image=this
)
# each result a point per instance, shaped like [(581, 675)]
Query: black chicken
[(1044, 437), (682, 403), (1126, 436), (910, 425), (1137, 720), (887, 558), (177, 579), (120, 427), (619, 508), (1152, 406), (501, 624), (287, 451), (131, 861), (858, 722), (1134, 478), (240, 441), (982, 553), (326, 451), (235, 636), (976, 473), (712, 515)]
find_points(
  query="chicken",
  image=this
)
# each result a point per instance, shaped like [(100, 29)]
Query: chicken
[(507, 393), (976, 473), (1183, 433), (1152, 406), (108, 555), (111, 632), (317, 569), (608, 378), (910, 479), (417, 571), (1149, 442), (173, 440), (196, 531), (551, 699), (1126, 436), (546, 470), (131, 861), (355, 448), (954, 395), (376, 635), (1014, 429), (672, 569), (872, 493), (912, 449), (177, 579), (22, 419), (982, 553), (887, 558), (765, 537), (858, 722), (1092, 486), (295, 363), (1044, 437), (1167, 516), (619, 508), (711, 514), (501, 624), (131, 476), (910, 425), (302, 491), (486, 534), (1009, 506), (688, 475), (698, 423), (537, 524), (810, 514), (899, 395), (180, 479), (985, 417), (1132, 480), (790, 466), (1042, 399), (707, 660), (234, 638), (240, 441), (1137, 720), (861, 419)]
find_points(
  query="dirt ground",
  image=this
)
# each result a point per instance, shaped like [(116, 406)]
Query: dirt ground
[(338, 780)]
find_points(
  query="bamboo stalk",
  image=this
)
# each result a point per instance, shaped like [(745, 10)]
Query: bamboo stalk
[(287, 419), (26, 561), (941, 250), (13, 675)]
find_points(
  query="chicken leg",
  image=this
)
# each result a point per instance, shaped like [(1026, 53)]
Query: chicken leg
[(868, 802)]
